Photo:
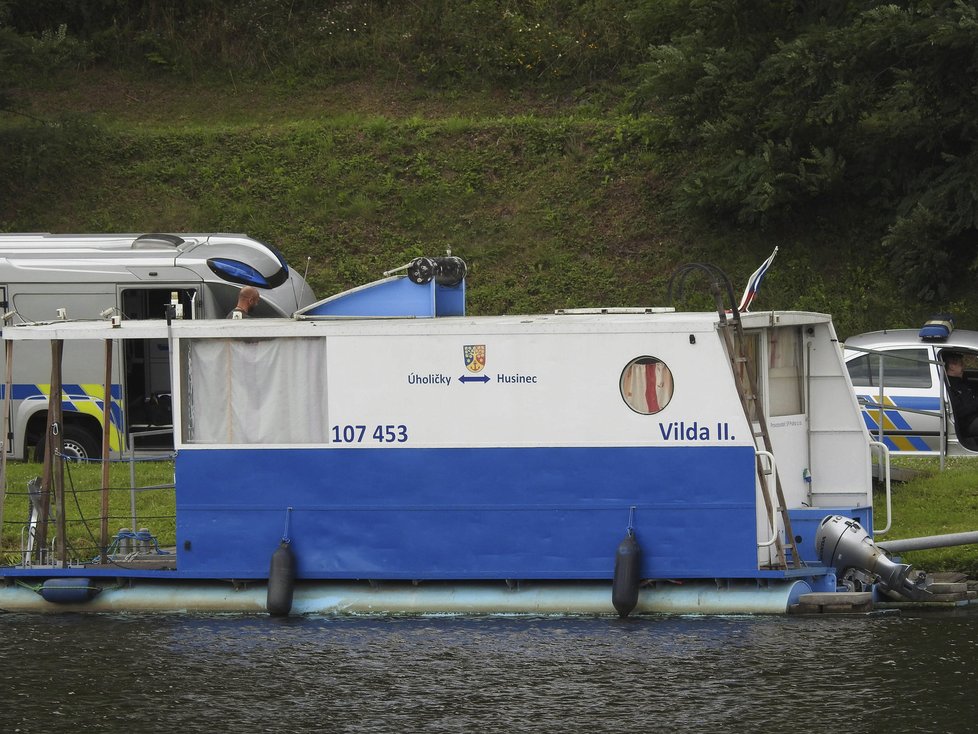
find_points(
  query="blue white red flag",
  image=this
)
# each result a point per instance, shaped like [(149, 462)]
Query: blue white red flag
[(754, 284)]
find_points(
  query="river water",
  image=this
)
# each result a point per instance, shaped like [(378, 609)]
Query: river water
[(168, 673)]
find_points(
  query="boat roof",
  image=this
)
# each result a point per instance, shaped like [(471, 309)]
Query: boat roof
[(577, 320)]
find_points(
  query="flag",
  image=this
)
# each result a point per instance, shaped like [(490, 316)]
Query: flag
[(754, 283)]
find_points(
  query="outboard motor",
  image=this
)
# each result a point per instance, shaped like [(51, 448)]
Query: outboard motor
[(843, 543)]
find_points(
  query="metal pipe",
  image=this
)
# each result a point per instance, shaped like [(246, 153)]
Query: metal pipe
[(885, 472), (809, 345), (57, 442), (765, 487), (9, 351), (106, 433), (879, 425), (389, 598), (929, 541)]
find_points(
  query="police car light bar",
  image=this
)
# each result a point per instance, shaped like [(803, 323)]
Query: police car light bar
[(938, 328)]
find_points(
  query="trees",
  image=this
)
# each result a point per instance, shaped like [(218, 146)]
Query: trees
[(792, 106), (774, 110)]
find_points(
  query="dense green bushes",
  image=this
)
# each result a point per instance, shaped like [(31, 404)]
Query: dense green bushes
[(602, 141), (794, 109), (301, 41)]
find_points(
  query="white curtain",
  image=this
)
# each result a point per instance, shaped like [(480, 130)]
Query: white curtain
[(248, 391), (646, 385), (785, 370)]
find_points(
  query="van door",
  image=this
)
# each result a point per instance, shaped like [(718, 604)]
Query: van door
[(958, 445), (910, 413), (69, 297), (146, 364)]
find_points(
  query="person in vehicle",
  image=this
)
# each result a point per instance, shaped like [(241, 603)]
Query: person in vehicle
[(964, 401), (248, 298)]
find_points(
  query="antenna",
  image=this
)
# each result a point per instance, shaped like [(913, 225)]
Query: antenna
[(389, 273), (305, 282)]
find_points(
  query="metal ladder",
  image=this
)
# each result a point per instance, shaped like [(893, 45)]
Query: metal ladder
[(746, 381)]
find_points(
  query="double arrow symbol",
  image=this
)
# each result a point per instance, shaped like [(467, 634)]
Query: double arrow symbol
[(480, 378)]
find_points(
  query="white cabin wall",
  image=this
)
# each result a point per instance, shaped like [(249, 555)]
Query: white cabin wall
[(782, 371), (841, 468), (826, 441)]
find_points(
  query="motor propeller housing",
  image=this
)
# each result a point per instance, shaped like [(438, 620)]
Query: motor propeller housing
[(843, 543)]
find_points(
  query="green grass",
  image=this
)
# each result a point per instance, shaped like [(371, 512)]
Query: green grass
[(155, 509), (934, 503)]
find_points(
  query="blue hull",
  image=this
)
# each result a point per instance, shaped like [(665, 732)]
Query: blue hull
[(492, 513)]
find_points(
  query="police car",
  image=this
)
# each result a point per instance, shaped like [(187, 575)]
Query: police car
[(899, 381)]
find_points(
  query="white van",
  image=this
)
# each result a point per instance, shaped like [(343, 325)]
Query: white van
[(45, 277), (898, 377)]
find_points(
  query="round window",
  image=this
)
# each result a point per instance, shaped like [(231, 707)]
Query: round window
[(646, 385)]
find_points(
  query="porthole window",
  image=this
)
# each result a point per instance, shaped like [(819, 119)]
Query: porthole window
[(646, 385)]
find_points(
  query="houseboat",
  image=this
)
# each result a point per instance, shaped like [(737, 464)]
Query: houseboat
[(384, 452)]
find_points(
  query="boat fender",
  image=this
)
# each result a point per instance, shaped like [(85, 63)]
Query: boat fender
[(68, 590), (281, 580), (624, 588)]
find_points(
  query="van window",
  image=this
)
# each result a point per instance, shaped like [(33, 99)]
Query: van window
[(901, 368)]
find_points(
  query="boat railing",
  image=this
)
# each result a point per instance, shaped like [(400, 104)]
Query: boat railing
[(880, 406), (766, 488), (884, 463), (132, 459)]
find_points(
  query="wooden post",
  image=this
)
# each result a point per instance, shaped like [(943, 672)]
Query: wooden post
[(56, 452), (106, 433), (5, 431)]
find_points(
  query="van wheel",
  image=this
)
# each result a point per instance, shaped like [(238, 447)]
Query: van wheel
[(80, 445)]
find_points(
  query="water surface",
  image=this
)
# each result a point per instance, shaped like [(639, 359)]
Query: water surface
[(170, 673)]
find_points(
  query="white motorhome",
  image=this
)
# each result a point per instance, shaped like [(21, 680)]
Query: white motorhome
[(45, 277)]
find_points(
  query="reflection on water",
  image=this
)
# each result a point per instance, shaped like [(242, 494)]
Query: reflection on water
[(896, 673)]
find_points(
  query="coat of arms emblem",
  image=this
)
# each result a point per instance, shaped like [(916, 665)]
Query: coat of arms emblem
[(475, 357)]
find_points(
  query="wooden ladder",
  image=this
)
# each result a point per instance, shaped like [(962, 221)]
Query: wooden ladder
[(732, 331), (746, 381)]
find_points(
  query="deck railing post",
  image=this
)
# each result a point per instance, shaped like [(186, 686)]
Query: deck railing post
[(9, 352), (56, 448), (106, 433)]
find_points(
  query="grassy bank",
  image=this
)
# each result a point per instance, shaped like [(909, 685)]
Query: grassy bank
[(554, 201), (934, 503)]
